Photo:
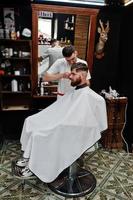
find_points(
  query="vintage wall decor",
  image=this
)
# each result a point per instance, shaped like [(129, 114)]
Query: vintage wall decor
[(103, 31)]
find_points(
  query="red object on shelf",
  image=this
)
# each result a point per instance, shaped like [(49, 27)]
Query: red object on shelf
[(2, 72)]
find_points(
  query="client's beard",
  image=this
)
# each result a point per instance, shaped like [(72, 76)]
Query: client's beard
[(75, 83)]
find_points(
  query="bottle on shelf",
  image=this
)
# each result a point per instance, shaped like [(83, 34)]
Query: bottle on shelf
[(1, 31), (67, 20), (13, 33), (10, 52), (17, 72), (66, 25), (28, 86), (38, 89), (14, 85), (46, 90), (21, 86), (42, 89), (18, 35), (72, 28), (7, 33), (7, 67), (65, 40), (61, 40), (39, 86), (15, 53), (2, 69), (68, 42), (73, 19)]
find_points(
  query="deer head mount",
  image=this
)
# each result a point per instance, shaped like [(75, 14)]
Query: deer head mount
[(103, 31)]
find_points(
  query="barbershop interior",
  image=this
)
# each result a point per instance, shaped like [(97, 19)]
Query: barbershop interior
[(58, 149)]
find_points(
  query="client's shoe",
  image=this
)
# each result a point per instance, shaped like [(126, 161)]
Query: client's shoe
[(26, 172), (22, 162)]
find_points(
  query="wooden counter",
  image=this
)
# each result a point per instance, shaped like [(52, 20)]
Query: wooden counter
[(116, 112)]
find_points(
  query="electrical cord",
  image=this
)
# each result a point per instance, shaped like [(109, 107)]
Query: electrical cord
[(127, 149)]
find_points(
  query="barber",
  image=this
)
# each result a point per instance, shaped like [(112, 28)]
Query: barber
[(60, 70)]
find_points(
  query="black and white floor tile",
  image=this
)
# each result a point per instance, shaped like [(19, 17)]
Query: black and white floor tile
[(113, 171)]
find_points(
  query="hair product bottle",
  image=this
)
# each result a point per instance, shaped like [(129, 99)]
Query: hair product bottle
[(14, 85)]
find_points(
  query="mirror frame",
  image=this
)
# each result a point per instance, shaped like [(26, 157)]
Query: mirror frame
[(90, 12)]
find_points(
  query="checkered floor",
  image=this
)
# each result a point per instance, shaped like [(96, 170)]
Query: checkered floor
[(113, 171)]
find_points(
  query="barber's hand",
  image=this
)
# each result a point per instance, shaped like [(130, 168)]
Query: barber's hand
[(66, 75), (40, 59)]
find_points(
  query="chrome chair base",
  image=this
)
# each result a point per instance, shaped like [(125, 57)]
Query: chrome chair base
[(73, 182)]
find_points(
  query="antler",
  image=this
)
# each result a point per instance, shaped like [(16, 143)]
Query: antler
[(101, 23), (107, 27), (102, 39)]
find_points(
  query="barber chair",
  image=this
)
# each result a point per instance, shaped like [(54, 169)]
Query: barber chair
[(74, 182)]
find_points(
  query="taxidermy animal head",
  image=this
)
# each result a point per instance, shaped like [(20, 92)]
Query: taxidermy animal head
[(103, 31)]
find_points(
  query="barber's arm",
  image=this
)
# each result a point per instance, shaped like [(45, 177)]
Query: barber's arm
[(53, 77), (41, 58), (53, 72)]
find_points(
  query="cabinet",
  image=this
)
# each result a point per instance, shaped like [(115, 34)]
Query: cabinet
[(66, 27), (69, 23), (15, 74), (69, 27), (116, 114)]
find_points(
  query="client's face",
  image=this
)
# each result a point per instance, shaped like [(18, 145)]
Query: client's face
[(75, 78)]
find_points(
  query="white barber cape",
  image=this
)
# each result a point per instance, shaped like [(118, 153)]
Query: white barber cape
[(58, 135)]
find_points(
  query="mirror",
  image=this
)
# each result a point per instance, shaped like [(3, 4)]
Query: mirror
[(66, 29), (69, 25)]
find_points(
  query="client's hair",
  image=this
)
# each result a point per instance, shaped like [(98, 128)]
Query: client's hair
[(79, 67), (68, 51)]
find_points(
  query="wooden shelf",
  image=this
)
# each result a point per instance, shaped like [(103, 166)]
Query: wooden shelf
[(14, 76), (18, 92), (44, 96), (21, 99), (17, 40), (15, 58), (12, 108)]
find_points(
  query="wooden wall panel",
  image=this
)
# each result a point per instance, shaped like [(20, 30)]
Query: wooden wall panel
[(81, 35)]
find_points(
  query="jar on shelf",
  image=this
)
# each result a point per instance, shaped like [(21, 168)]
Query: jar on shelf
[(13, 35)]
